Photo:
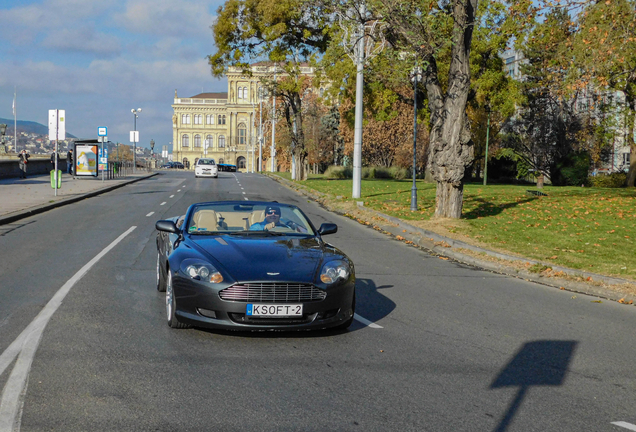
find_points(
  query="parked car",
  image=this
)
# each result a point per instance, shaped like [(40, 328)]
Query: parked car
[(251, 265), (177, 165), (206, 167)]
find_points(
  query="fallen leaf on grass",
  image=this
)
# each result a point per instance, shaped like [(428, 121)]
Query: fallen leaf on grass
[(553, 257), (399, 237)]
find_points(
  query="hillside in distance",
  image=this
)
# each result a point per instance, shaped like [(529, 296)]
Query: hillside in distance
[(29, 127)]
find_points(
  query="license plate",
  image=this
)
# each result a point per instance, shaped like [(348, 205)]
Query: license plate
[(273, 310)]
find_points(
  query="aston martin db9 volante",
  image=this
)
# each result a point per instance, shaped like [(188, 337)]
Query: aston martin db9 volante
[(248, 265)]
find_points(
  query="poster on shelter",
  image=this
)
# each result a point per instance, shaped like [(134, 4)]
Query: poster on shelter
[(86, 160)]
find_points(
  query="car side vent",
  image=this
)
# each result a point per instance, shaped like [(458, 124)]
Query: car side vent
[(272, 292)]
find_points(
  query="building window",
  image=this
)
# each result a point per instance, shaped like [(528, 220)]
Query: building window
[(197, 140), (242, 134), (185, 141), (221, 161), (223, 119), (209, 142), (185, 119), (244, 92), (240, 162), (209, 119), (198, 119), (222, 141)]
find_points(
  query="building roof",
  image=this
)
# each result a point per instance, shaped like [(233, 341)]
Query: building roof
[(210, 96)]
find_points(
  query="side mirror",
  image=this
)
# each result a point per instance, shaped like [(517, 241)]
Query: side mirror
[(167, 226), (328, 228)]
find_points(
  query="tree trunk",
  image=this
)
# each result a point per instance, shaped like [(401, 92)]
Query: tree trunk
[(540, 180), (449, 200), (450, 139)]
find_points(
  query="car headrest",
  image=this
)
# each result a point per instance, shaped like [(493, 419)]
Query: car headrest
[(257, 216), (205, 220)]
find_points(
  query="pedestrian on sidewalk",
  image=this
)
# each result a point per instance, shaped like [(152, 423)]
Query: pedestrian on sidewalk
[(24, 159), (53, 160), (69, 162)]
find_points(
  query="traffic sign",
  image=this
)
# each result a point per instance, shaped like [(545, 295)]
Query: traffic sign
[(102, 131)]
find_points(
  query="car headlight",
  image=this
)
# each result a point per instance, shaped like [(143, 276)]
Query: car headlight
[(206, 272), (334, 271)]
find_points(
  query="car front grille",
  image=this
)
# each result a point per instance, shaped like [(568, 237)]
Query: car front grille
[(273, 293)]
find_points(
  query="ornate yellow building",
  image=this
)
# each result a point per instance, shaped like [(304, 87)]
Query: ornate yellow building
[(224, 126)]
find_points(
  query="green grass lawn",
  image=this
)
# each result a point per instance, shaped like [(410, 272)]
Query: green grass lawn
[(583, 228)]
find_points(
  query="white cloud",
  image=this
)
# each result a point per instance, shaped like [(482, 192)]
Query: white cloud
[(83, 39), (167, 18)]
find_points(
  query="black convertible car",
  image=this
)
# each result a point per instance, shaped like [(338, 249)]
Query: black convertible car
[(247, 265)]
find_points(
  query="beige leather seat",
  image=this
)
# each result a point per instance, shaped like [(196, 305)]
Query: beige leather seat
[(257, 216), (205, 220)]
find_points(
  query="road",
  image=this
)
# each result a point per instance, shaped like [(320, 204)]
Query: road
[(436, 346)]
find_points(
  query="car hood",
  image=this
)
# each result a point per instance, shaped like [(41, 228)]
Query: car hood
[(262, 259)]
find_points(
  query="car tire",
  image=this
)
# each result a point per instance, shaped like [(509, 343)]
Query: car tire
[(171, 306), (345, 325), (161, 281)]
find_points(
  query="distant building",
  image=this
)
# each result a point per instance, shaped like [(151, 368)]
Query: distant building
[(587, 103), (223, 126)]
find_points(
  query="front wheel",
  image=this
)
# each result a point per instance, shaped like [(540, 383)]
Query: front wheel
[(171, 306), (161, 281)]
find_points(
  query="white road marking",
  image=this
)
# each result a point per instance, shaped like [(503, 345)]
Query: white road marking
[(171, 196), (243, 193), (625, 425), (163, 203), (246, 199), (150, 214), (179, 190), (242, 188), (366, 321), (26, 344)]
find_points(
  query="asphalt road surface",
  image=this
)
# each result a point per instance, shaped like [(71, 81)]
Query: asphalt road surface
[(436, 345)]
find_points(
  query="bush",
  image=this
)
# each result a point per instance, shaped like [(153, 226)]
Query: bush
[(339, 172), (572, 170), (613, 180)]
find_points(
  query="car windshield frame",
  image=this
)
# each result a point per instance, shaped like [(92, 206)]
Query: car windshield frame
[(206, 162), (238, 219)]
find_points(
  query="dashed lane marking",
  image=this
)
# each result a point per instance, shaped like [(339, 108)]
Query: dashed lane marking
[(171, 196), (150, 214), (625, 425), (366, 321), (163, 203)]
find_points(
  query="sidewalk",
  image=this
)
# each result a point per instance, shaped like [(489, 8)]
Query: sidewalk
[(20, 198)]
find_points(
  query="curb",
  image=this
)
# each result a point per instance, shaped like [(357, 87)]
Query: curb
[(21, 214), (449, 248)]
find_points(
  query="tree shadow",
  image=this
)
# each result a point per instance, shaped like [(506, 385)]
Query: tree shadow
[(487, 208), (539, 363)]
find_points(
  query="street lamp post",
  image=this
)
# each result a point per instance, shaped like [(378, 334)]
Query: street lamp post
[(152, 152), (486, 159), (135, 115), (416, 75)]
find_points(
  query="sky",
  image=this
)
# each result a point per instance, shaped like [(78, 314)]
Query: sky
[(98, 59)]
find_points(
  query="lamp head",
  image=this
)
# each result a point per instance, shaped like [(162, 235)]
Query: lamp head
[(3, 129)]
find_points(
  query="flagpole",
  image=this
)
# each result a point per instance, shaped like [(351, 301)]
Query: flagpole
[(15, 124)]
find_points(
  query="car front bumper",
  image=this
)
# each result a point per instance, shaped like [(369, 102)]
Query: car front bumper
[(199, 304)]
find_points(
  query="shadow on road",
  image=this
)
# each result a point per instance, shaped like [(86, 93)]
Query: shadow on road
[(540, 363)]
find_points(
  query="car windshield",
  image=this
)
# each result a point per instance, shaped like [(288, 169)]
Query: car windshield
[(248, 219), (206, 162)]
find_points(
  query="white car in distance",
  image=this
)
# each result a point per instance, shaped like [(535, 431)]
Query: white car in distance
[(206, 167)]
